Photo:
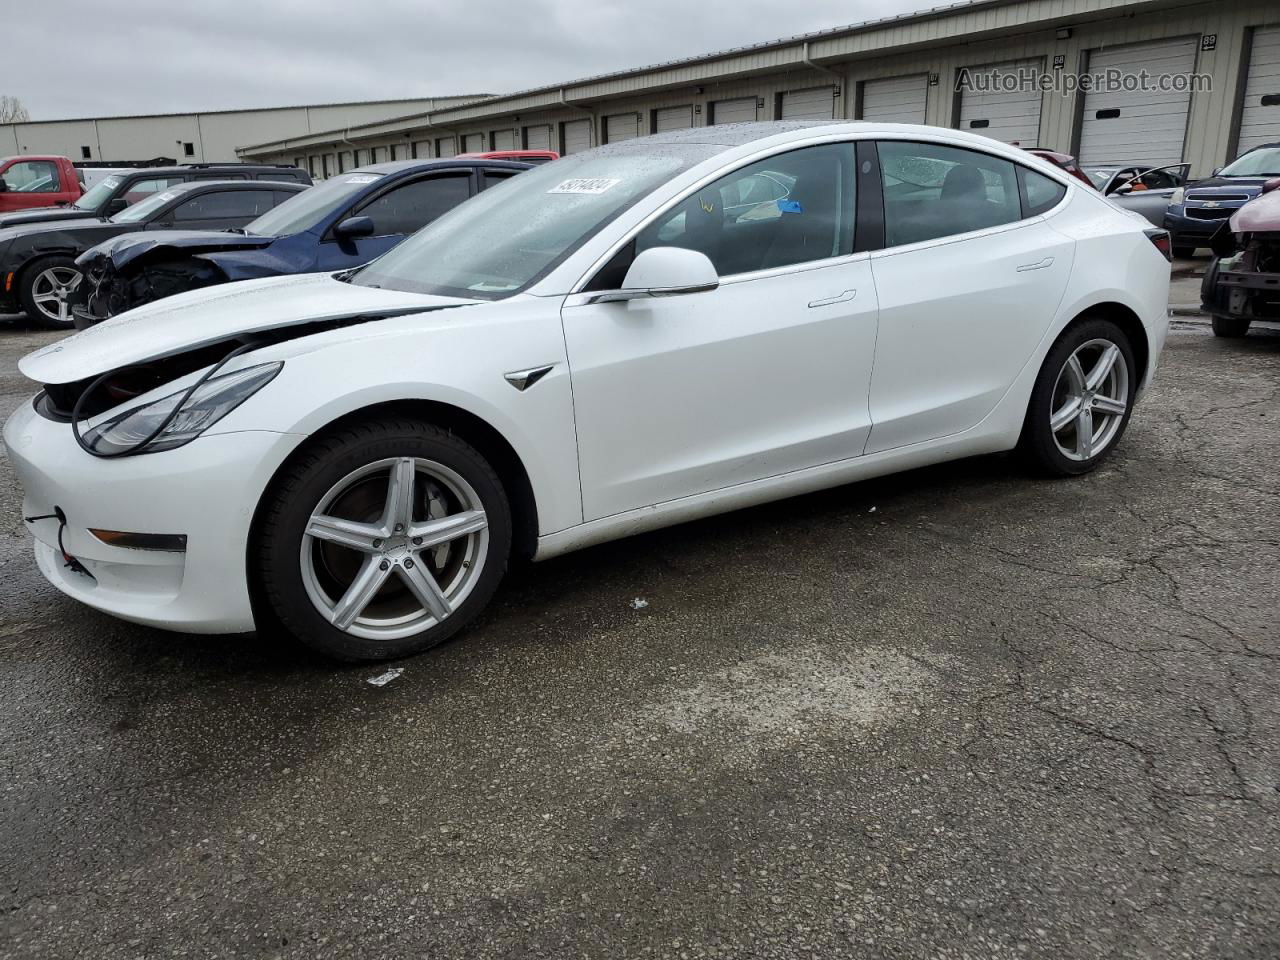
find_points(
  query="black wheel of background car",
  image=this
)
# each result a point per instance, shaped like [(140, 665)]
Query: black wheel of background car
[(1184, 253), (1230, 326), (381, 540), (43, 289), (1082, 399)]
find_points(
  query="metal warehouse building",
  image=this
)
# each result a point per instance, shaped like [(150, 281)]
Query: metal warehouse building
[(901, 69), (904, 68), (198, 137)]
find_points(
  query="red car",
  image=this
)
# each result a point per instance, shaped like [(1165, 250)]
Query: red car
[(523, 156), (36, 181), (1064, 161)]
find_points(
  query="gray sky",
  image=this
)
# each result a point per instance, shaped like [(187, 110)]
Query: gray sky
[(70, 58)]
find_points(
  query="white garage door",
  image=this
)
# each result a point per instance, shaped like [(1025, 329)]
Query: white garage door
[(621, 126), (473, 143), (422, 149), (1138, 126), (741, 110), (1260, 118), (1011, 116), (672, 118), (504, 140), (816, 104), (538, 138), (446, 147), (897, 100), (577, 135)]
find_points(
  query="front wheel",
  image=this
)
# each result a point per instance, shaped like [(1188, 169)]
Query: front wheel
[(382, 540), (1082, 399), (46, 288)]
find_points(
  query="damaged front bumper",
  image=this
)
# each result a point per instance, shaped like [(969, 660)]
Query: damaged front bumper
[(182, 492)]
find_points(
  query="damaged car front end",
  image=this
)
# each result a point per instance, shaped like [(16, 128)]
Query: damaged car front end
[(1242, 283)]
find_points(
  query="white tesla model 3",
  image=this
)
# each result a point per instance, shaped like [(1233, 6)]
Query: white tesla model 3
[(626, 338)]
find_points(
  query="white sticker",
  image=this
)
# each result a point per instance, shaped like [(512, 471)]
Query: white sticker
[(166, 196), (362, 178), (587, 185)]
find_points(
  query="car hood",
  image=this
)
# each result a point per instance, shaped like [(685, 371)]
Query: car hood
[(1229, 184), (67, 223), (42, 215), (125, 249), (1261, 215), (200, 317)]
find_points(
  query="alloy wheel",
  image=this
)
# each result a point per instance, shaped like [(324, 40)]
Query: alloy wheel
[(50, 290), (1090, 399), (394, 547)]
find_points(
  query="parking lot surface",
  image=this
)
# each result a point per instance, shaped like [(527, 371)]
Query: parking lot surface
[(956, 713)]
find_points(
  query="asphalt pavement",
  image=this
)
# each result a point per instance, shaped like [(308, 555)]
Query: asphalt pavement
[(957, 713)]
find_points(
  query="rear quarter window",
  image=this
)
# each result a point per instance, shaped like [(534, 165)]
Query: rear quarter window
[(1040, 193)]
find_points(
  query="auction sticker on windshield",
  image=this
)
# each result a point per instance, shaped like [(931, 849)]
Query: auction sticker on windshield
[(362, 178), (589, 185)]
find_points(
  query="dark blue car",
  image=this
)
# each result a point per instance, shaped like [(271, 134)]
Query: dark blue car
[(345, 221), (1195, 213)]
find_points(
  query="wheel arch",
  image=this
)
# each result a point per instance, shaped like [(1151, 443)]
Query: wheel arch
[(1128, 321), (482, 435)]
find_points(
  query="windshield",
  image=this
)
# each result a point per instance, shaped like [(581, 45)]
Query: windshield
[(305, 210), (1100, 176), (511, 235), (1256, 163), (97, 195), (143, 209)]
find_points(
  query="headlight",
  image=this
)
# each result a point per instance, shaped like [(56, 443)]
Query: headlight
[(212, 401), (1176, 198)]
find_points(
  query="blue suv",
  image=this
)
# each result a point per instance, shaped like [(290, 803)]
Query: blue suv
[(1196, 212), (344, 222)]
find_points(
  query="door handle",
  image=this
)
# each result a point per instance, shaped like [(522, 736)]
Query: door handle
[(838, 298), (1046, 262)]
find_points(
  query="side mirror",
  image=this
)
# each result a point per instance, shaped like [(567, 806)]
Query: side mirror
[(353, 227), (4, 185), (115, 206), (664, 272), (1267, 187), (1216, 171)]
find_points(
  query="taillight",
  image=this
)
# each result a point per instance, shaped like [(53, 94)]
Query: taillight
[(1162, 241)]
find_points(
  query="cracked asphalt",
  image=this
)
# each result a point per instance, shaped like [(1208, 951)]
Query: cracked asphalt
[(958, 713)]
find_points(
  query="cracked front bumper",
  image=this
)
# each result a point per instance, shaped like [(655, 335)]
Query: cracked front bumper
[(207, 490)]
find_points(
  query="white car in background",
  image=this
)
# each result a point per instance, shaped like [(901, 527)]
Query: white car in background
[(607, 344)]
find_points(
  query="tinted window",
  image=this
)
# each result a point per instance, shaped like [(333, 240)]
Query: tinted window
[(411, 207), (308, 208), (1042, 193), (792, 208), (32, 176), (935, 191), (225, 205), (493, 177)]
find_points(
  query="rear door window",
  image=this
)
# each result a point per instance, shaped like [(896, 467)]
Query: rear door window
[(408, 208), (225, 205), (141, 189), (933, 191)]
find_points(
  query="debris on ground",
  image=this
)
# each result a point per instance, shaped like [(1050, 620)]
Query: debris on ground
[(639, 603), (382, 679)]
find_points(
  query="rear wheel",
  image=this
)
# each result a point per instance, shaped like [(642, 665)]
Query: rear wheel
[(383, 540), (46, 286), (1230, 326), (1082, 399)]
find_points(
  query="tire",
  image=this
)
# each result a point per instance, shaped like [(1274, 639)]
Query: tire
[(42, 278), (1065, 452), (1184, 253), (1231, 327), (309, 581)]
